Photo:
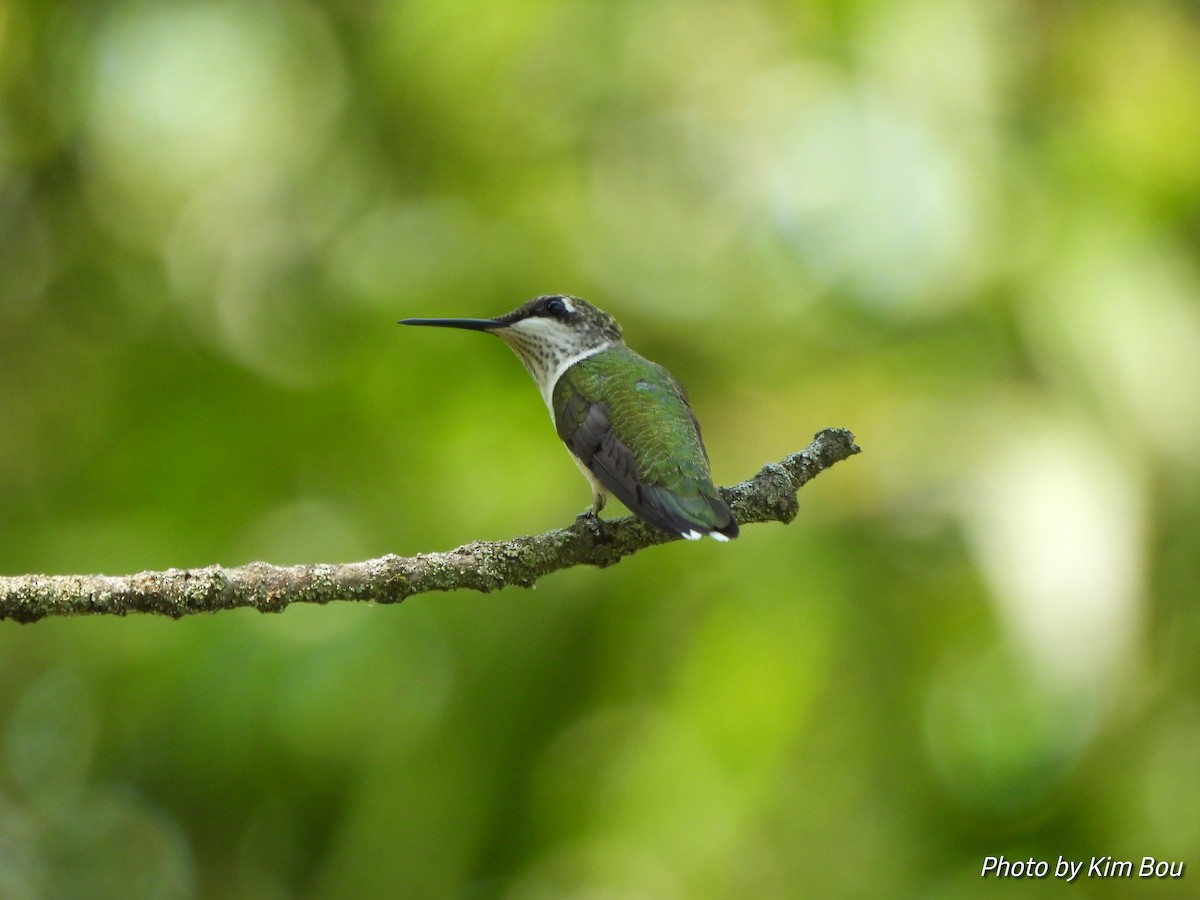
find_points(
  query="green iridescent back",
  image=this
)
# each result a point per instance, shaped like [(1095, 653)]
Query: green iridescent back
[(629, 422)]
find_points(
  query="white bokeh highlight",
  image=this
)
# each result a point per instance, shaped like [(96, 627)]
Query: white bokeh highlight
[(1056, 521)]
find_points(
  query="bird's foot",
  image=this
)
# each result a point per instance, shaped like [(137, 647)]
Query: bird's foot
[(590, 521)]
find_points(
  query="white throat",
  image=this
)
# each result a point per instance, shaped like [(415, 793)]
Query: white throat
[(547, 348)]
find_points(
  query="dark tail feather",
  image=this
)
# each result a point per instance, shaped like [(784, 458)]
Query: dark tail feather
[(692, 516)]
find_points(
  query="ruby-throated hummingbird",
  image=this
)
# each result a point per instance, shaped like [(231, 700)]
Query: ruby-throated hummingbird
[(625, 420)]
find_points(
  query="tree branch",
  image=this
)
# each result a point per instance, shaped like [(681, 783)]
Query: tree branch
[(480, 565)]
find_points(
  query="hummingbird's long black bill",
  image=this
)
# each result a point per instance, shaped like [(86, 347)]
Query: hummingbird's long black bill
[(469, 324)]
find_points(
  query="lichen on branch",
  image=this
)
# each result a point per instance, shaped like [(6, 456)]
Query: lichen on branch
[(770, 496)]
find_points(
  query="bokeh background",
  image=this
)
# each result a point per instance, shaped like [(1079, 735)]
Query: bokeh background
[(965, 229)]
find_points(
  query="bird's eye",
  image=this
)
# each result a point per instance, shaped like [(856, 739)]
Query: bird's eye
[(556, 307)]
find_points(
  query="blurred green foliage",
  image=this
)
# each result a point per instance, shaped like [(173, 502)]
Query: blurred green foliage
[(965, 229)]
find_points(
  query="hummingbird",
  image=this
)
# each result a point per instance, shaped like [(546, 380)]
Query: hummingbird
[(625, 420)]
